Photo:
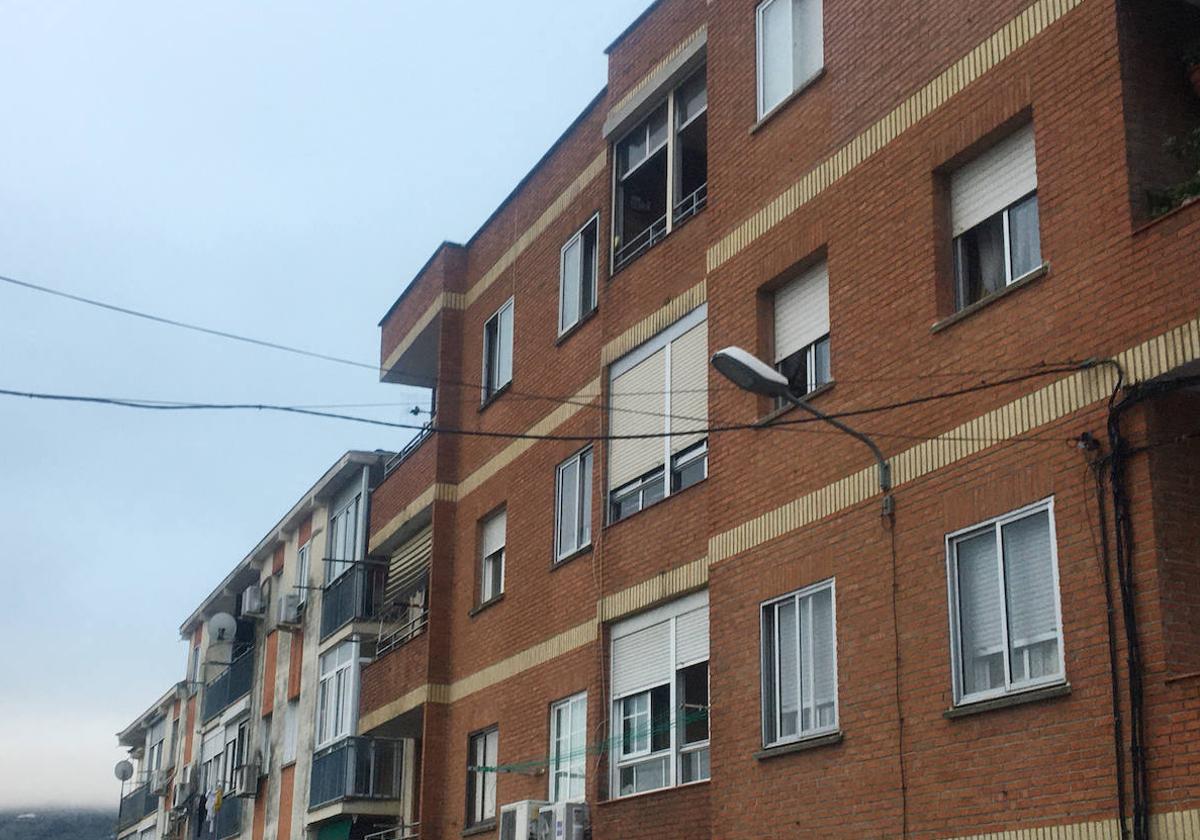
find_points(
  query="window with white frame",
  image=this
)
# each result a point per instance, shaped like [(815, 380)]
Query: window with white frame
[(573, 504), (802, 330), (344, 544), (658, 417), (662, 170), (491, 556), (791, 49), (483, 749), (1005, 622), (234, 754), (568, 749), (660, 697), (156, 737), (799, 665), (302, 564), (289, 745), (578, 268), (210, 759), (336, 693), (497, 351), (994, 218)]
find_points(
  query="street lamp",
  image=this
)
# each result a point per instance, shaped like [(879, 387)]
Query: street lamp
[(752, 374)]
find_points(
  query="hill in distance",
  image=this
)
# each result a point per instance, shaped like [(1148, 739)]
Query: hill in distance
[(57, 824)]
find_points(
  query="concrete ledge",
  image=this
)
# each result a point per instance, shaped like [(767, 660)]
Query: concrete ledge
[(483, 828), (967, 311), (1035, 695), (800, 746)]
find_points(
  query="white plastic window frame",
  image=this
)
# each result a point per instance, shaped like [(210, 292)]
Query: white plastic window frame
[(563, 280), (760, 79), (583, 487), (572, 705)]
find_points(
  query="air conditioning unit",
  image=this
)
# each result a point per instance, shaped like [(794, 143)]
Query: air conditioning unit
[(290, 612), (254, 601), (245, 780), (159, 780), (563, 821), (518, 820), (185, 788)]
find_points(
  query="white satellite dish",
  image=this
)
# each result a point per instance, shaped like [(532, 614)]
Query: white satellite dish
[(222, 627), (123, 770)]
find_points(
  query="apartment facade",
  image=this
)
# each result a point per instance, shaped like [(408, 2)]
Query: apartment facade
[(692, 609)]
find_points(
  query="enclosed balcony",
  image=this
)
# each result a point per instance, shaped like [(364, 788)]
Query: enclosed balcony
[(357, 768), (355, 595), (231, 685), (136, 806), (226, 822)]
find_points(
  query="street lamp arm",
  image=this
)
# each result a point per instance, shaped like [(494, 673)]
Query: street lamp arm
[(885, 469)]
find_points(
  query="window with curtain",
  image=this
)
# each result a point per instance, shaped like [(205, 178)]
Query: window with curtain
[(483, 750), (799, 666), (791, 49), (568, 749), (802, 330), (335, 694), (491, 556), (577, 275), (658, 415), (573, 505), (660, 697), (994, 218), (1007, 632), (497, 351)]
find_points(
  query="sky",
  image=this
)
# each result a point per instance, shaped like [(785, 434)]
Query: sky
[(277, 169)]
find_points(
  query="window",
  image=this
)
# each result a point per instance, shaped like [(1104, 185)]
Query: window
[(483, 749), (573, 504), (577, 276), (660, 697), (799, 665), (264, 745), (1005, 625), (662, 170), (491, 554), (802, 330), (302, 572), (335, 694), (497, 351), (155, 737), (994, 219), (659, 389), (568, 749), (344, 545), (234, 755), (291, 732), (791, 49)]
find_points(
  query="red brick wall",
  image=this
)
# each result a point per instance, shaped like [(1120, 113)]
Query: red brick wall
[(270, 658), (305, 530), (295, 665), (287, 784)]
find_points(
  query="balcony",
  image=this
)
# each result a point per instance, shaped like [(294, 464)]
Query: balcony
[(356, 768), (136, 806), (422, 435), (355, 594), (231, 685), (227, 822)]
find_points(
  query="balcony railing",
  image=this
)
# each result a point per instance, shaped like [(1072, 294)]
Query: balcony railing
[(226, 822), (422, 435), (136, 806), (637, 244), (231, 685), (401, 626), (356, 768), (692, 204), (402, 831), (356, 594)]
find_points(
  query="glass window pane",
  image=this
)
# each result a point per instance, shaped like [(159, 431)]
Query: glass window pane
[(692, 98), (693, 766), (776, 56), (788, 666), (572, 263), (1025, 236), (769, 675), (658, 127), (824, 676), (821, 372), (660, 718), (981, 637), (979, 261), (693, 703), (504, 364), (585, 495), (809, 40), (568, 489), (1032, 611)]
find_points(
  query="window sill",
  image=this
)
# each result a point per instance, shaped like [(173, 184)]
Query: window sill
[(966, 312), (495, 395), (1033, 695), (803, 745), (481, 828), (655, 504), (613, 272), (656, 792), (579, 552), (476, 610), (788, 100), (788, 407), (576, 327)]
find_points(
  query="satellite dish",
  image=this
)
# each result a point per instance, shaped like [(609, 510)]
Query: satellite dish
[(222, 627), (123, 770)]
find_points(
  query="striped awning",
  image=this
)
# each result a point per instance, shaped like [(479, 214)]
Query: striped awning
[(409, 566)]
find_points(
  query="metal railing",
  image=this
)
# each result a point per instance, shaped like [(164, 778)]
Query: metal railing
[(692, 204), (231, 685), (356, 593), (642, 242), (136, 805), (423, 434), (402, 831), (226, 822), (400, 627), (356, 768)]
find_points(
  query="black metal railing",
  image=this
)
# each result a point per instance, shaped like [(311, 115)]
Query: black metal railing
[(355, 594), (356, 768), (423, 434), (231, 685), (226, 822), (692, 204), (136, 805), (637, 244), (400, 626)]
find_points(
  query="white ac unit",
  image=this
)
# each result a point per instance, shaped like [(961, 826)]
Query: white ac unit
[(245, 780), (518, 820), (290, 612), (563, 821), (185, 787), (159, 780), (254, 601)]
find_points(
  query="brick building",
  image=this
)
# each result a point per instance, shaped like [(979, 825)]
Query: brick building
[(721, 633)]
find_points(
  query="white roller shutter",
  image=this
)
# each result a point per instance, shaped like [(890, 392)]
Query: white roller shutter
[(212, 745), (689, 386), (994, 180), (691, 637), (642, 659), (491, 537), (801, 311), (637, 398)]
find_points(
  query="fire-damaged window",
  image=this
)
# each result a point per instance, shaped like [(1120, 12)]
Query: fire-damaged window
[(662, 170)]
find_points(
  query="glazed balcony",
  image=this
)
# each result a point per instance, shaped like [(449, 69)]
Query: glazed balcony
[(227, 822), (356, 768), (231, 685), (356, 595), (136, 806)]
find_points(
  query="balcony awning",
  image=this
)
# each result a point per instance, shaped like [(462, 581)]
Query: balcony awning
[(408, 565)]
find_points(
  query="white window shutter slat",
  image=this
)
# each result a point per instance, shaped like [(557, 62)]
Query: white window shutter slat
[(802, 311), (637, 398), (689, 386), (491, 538), (642, 659), (691, 637), (1029, 573), (980, 630), (994, 180)]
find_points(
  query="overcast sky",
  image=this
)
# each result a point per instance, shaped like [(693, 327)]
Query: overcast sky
[(274, 168)]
